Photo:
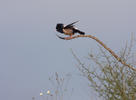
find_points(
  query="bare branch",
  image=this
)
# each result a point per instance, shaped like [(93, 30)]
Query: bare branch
[(102, 44)]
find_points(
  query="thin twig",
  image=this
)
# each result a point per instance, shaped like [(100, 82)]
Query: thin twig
[(102, 44)]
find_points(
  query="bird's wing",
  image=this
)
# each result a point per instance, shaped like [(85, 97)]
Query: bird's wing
[(70, 25)]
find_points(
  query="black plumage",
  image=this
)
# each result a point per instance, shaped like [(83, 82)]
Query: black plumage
[(68, 29)]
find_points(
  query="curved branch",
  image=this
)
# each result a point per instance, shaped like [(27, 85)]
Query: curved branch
[(102, 44)]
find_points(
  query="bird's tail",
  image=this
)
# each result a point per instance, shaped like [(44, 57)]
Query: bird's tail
[(80, 32)]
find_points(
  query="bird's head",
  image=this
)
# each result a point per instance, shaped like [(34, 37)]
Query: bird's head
[(59, 27)]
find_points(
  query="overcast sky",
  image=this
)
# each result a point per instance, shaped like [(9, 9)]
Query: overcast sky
[(30, 52)]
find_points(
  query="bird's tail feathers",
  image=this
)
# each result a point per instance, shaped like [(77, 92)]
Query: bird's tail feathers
[(80, 32)]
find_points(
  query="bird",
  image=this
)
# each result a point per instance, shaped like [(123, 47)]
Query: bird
[(68, 29)]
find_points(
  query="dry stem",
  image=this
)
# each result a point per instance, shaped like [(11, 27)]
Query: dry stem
[(102, 44)]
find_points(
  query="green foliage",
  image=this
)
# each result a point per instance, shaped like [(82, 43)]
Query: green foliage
[(110, 79)]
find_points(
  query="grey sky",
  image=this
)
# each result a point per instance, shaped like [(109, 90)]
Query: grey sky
[(30, 52)]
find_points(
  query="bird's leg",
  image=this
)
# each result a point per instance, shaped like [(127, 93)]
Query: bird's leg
[(70, 36)]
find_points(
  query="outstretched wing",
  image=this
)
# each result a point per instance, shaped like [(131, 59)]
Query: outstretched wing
[(71, 25)]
